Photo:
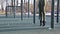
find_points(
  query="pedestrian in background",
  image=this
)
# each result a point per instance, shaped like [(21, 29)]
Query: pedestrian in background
[(42, 12)]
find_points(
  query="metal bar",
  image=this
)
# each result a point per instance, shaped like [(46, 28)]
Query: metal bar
[(52, 15), (6, 12), (2, 6), (12, 2), (34, 13), (21, 9), (39, 8), (24, 1), (17, 2), (14, 8), (6, 8), (57, 11), (28, 8)]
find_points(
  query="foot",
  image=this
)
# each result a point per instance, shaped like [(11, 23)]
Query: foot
[(40, 23), (43, 23)]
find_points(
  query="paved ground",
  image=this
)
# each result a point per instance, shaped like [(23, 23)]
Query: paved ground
[(16, 26), (33, 31)]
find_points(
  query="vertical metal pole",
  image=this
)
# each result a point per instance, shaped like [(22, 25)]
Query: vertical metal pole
[(17, 2), (12, 2), (14, 8), (39, 8), (24, 1), (6, 8), (28, 8), (57, 11), (2, 6), (52, 15), (21, 9), (6, 11), (24, 4), (34, 13)]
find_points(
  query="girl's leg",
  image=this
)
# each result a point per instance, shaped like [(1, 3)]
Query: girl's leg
[(43, 19), (40, 18)]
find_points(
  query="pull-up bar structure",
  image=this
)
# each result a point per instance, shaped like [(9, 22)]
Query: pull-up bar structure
[(34, 13), (57, 11), (6, 7), (52, 14), (28, 8), (21, 9)]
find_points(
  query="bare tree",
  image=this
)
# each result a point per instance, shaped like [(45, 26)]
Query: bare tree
[(2, 6)]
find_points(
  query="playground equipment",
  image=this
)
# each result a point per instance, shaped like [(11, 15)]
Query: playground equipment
[(14, 9)]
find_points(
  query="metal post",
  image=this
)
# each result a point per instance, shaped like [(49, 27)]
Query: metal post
[(24, 1), (57, 11), (2, 6), (38, 7), (24, 4), (52, 15), (21, 9), (28, 8), (6, 8), (14, 8), (6, 12), (34, 13), (17, 2), (12, 2)]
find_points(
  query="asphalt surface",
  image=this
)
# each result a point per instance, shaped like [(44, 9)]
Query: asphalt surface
[(26, 26)]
